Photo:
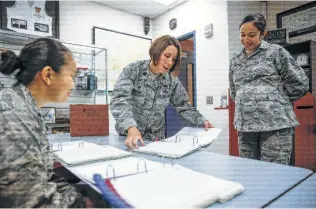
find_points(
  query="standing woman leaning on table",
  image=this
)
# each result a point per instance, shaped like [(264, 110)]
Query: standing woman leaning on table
[(145, 88), (264, 81), (44, 72)]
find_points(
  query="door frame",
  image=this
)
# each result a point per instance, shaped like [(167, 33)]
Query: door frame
[(185, 37)]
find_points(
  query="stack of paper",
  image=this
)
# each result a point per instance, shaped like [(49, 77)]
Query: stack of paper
[(77, 153), (174, 187), (196, 135)]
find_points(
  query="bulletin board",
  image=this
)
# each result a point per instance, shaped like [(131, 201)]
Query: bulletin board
[(122, 49)]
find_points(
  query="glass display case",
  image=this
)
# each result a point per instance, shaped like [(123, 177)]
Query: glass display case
[(90, 82)]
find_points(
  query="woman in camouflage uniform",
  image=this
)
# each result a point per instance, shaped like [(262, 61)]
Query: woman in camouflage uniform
[(145, 88), (264, 82), (44, 74)]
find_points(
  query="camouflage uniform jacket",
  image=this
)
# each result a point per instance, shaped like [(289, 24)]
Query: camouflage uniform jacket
[(264, 86), (140, 98), (26, 168)]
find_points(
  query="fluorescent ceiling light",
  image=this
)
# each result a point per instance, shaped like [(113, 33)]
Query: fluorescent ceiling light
[(165, 2)]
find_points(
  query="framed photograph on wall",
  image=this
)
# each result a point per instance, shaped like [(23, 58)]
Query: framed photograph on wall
[(299, 20), (48, 114), (39, 18)]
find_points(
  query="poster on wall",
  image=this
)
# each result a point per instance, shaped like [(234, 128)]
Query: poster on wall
[(278, 36), (299, 20), (122, 50), (39, 18)]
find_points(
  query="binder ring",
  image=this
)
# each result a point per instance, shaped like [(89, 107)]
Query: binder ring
[(144, 164), (81, 144), (177, 137), (59, 147), (113, 171), (100, 142), (163, 161), (197, 140)]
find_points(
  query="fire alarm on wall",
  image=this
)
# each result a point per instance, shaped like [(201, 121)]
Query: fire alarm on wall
[(208, 30)]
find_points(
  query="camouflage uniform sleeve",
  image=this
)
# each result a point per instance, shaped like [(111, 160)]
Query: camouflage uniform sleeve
[(295, 80), (232, 89), (21, 168), (180, 100), (24, 179), (121, 98)]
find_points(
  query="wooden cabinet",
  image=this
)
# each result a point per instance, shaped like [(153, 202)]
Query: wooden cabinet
[(233, 135), (304, 149), (305, 133)]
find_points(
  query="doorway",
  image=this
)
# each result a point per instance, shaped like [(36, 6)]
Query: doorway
[(175, 122), (187, 42)]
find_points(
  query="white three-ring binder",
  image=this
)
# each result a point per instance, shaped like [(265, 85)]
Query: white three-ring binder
[(146, 184), (186, 141), (79, 152)]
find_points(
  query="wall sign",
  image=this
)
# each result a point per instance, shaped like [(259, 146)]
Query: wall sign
[(278, 36), (39, 18), (298, 21)]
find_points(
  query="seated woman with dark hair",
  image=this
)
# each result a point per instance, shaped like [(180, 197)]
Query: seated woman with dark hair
[(44, 72)]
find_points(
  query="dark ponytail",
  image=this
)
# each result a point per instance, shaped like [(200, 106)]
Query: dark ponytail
[(33, 57), (9, 62)]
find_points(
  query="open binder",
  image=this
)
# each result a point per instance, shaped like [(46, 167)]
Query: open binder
[(79, 152), (186, 141), (112, 169), (165, 185)]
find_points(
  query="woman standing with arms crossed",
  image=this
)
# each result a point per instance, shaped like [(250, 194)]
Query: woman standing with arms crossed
[(264, 81)]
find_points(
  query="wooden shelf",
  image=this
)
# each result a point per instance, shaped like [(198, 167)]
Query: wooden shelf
[(221, 108), (57, 125)]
